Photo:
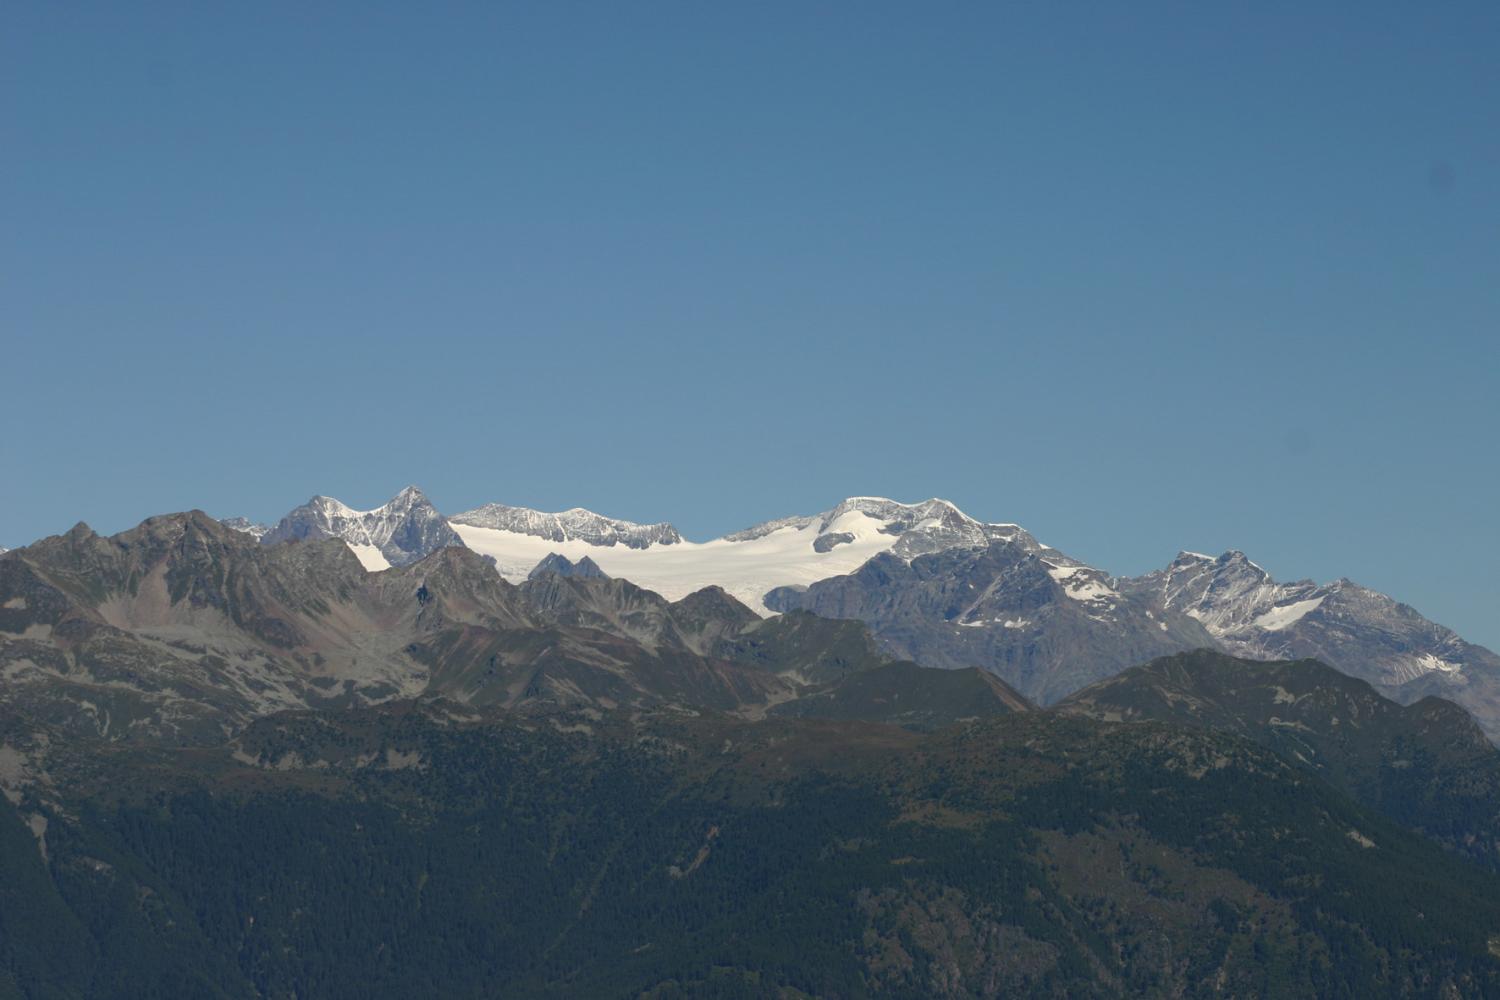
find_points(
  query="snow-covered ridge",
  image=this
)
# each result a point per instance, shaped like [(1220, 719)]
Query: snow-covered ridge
[(577, 523), (796, 551), (929, 526), (792, 551), (893, 512)]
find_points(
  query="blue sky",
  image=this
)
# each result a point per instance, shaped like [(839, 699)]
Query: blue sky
[(1141, 277)]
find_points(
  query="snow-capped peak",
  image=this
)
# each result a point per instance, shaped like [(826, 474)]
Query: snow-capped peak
[(1225, 593), (1251, 614), (399, 531), (885, 509), (408, 498)]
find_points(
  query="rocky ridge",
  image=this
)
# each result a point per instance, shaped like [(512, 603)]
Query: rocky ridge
[(575, 524)]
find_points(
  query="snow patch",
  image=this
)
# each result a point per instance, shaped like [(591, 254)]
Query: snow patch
[(747, 569), (1428, 662), (370, 557), (1287, 615), (1078, 587)]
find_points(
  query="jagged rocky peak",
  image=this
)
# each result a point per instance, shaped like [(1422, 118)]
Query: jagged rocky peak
[(577, 523), (244, 524), (1233, 564), (1225, 593), (399, 532), (557, 564), (1358, 630), (715, 602)]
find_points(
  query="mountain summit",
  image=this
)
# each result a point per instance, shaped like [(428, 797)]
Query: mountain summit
[(1360, 631), (399, 532)]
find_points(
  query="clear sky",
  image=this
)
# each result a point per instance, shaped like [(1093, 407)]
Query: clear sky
[(1139, 276)]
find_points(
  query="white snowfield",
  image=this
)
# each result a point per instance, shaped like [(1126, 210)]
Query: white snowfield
[(748, 569)]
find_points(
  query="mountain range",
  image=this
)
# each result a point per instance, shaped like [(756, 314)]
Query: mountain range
[(945, 590), (232, 767), (183, 631)]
